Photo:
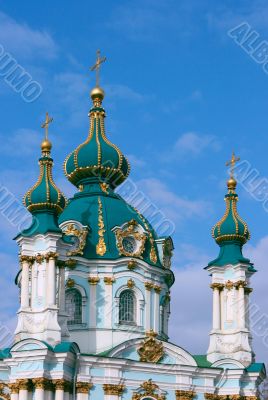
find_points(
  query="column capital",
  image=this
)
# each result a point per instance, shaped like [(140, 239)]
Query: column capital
[(13, 387), (157, 288), (93, 280), (51, 255), (148, 285), (24, 384), (59, 384), (70, 263), (240, 284), (39, 258), (109, 280), (184, 394), (116, 390), (26, 259), (40, 383), (216, 285), (83, 387)]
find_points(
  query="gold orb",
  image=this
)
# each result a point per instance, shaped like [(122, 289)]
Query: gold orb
[(46, 145), (97, 92), (231, 183)]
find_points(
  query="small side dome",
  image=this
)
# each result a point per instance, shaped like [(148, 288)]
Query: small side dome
[(45, 195), (97, 159), (231, 227)]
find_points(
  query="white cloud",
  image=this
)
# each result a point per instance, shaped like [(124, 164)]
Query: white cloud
[(193, 144), (22, 142), (25, 42), (118, 91), (135, 161), (155, 193)]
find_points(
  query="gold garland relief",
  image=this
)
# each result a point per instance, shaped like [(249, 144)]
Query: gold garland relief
[(101, 246)]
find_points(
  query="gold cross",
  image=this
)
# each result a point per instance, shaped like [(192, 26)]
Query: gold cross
[(232, 163), (96, 67), (45, 125)]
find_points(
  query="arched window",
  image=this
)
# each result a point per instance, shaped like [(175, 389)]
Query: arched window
[(74, 306), (127, 307)]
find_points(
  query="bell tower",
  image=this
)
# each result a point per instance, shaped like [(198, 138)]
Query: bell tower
[(230, 336)]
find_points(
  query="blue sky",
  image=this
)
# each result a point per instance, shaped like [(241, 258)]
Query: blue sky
[(180, 96)]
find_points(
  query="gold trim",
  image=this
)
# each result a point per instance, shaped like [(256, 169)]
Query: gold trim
[(28, 259), (81, 235), (148, 285), (39, 258), (41, 383), (13, 387), (51, 255), (101, 246), (24, 384), (157, 289), (218, 286), (115, 390)]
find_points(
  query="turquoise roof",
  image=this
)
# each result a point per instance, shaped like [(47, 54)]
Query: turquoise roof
[(97, 159), (231, 232), (44, 195), (44, 200), (84, 207)]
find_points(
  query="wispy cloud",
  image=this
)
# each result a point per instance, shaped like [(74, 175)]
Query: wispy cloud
[(172, 205), (25, 42), (192, 144)]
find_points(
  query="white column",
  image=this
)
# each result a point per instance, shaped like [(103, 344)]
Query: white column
[(39, 393), (93, 281), (62, 289), (23, 389), (241, 302), (157, 290), (59, 389), (51, 278), (14, 391), (148, 287), (25, 260), (216, 306), (108, 308)]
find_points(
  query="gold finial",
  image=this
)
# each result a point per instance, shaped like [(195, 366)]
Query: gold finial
[(231, 183), (96, 67), (46, 144)]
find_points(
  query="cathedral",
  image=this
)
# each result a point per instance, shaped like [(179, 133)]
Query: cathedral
[(95, 284)]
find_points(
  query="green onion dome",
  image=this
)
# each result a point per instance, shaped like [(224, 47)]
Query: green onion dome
[(231, 232), (44, 195), (231, 226), (97, 159)]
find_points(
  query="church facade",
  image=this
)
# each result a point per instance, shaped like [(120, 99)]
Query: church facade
[(95, 286)]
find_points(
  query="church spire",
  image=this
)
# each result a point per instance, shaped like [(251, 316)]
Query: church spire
[(97, 160), (231, 231)]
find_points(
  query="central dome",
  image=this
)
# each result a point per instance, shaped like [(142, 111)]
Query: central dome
[(102, 212), (97, 159)]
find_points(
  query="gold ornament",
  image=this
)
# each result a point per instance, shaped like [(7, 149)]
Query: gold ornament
[(130, 283), (132, 264), (130, 231), (152, 349), (148, 388), (101, 246), (70, 283), (104, 187), (80, 234)]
